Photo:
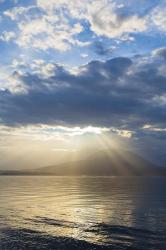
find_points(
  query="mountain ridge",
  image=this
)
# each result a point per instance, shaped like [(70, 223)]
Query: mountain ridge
[(103, 163)]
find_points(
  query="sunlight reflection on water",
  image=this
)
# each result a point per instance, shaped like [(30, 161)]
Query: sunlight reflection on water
[(83, 208)]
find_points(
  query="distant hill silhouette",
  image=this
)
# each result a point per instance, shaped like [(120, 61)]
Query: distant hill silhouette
[(103, 163)]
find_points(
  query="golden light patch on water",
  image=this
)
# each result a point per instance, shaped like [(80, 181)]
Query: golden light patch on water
[(68, 206)]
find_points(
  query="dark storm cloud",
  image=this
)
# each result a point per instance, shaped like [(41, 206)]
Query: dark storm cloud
[(118, 92)]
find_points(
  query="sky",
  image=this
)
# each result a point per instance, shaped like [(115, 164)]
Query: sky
[(76, 75)]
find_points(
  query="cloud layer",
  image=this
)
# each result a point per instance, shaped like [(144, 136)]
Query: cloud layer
[(126, 92)]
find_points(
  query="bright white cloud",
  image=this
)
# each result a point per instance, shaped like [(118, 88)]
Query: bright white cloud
[(51, 132), (104, 20), (48, 132), (49, 32)]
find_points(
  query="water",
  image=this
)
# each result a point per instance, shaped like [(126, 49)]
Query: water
[(82, 213)]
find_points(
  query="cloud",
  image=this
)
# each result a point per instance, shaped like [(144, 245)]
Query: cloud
[(105, 20), (101, 49), (47, 132), (57, 24), (158, 17), (125, 93), (42, 34), (44, 30), (104, 17), (7, 36), (16, 12), (83, 55), (160, 52)]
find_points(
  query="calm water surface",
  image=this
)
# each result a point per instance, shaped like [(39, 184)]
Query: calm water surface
[(82, 213)]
